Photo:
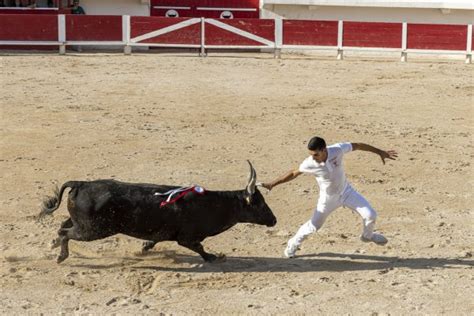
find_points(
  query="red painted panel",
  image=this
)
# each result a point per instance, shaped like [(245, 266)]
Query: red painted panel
[(228, 3), (28, 11), (219, 5), (216, 14), (27, 27), (299, 32), (170, 3), (261, 28), (173, 4), (30, 47), (93, 28), (208, 3), (188, 35), (437, 36), (372, 34), (183, 13)]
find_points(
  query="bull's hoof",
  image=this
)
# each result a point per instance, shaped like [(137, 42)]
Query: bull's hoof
[(55, 243), (221, 258), (61, 258), (217, 259)]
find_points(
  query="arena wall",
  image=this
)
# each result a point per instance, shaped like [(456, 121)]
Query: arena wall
[(367, 14), (274, 34), (240, 9)]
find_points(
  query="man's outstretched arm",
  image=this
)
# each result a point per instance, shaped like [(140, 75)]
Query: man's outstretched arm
[(282, 179), (389, 154)]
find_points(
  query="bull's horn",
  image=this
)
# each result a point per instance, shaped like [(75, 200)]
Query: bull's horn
[(252, 180)]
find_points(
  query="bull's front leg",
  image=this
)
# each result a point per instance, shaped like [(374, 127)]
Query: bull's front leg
[(197, 247)]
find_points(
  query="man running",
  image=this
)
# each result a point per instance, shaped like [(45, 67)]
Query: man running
[(325, 163)]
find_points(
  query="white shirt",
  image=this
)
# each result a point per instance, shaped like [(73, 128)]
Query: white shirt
[(329, 174)]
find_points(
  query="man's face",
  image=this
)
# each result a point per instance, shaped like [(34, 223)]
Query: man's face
[(319, 155)]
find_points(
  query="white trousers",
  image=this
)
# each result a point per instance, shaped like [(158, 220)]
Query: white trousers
[(351, 199)]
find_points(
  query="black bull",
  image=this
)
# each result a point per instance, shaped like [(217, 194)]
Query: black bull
[(102, 208)]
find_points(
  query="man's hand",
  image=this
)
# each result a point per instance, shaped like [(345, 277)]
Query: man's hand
[(290, 175), (389, 154), (267, 186)]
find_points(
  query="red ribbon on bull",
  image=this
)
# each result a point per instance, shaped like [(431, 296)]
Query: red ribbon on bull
[(176, 194)]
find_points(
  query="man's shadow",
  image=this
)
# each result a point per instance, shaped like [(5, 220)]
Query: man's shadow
[(328, 261)]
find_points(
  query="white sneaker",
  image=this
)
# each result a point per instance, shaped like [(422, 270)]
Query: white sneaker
[(290, 250), (379, 239)]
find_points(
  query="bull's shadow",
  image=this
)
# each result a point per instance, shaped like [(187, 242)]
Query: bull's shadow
[(328, 261), (320, 262)]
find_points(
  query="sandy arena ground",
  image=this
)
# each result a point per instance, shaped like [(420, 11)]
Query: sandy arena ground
[(182, 120)]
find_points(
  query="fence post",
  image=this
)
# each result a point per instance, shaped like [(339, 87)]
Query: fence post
[(203, 38), (404, 56), (62, 34), (127, 49), (278, 37), (340, 33), (469, 44)]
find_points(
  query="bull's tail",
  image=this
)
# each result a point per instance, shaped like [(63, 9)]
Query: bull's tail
[(51, 203)]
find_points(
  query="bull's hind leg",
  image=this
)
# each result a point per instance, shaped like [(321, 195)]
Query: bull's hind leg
[(196, 246), (78, 234), (74, 233), (64, 235), (57, 242)]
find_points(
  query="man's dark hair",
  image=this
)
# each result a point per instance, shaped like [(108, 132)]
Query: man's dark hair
[(316, 144)]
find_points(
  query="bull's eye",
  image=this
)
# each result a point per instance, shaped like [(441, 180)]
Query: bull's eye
[(172, 14), (227, 15)]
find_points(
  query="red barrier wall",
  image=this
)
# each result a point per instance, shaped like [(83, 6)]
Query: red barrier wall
[(28, 27), (31, 11), (93, 28), (37, 27), (320, 33), (183, 13), (195, 4), (175, 5), (372, 34), (227, 4), (435, 36), (262, 28), (188, 35)]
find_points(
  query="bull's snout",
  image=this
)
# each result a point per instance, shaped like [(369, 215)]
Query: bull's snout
[(272, 222)]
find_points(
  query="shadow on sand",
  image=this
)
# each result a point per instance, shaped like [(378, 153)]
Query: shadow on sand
[(306, 263)]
